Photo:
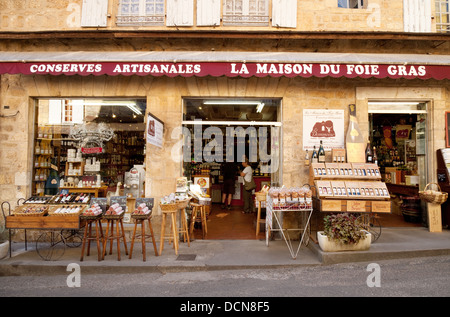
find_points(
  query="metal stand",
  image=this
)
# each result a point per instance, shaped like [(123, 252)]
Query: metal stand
[(274, 211)]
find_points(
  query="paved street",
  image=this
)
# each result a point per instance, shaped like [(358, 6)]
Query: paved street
[(425, 276)]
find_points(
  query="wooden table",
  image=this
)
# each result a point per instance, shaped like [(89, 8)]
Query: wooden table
[(97, 191)]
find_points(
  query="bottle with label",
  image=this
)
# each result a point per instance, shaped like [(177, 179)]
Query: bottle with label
[(314, 157), (321, 153), (375, 156), (369, 153), (307, 158), (354, 141)]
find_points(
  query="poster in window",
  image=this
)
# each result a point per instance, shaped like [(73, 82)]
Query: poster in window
[(323, 125), (447, 128), (154, 130)]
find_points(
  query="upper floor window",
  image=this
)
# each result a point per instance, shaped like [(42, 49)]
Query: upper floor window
[(352, 4), (141, 12), (246, 12), (442, 16)]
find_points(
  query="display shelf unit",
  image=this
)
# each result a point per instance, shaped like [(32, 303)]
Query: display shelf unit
[(349, 187)]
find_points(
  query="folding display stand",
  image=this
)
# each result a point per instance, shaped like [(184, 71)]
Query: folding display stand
[(274, 212)]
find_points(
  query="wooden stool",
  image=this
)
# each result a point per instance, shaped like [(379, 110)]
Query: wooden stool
[(88, 236), (173, 225), (184, 226), (198, 215), (141, 220), (119, 235), (259, 198)]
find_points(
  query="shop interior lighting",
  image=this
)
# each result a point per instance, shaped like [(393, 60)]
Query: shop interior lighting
[(130, 104), (259, 105)]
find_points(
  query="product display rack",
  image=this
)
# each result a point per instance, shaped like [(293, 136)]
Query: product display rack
[(349, 187), (272, 212)]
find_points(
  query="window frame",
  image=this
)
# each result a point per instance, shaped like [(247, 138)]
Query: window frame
[(442, 26), (142, 18), (360, 4), (245, 17)]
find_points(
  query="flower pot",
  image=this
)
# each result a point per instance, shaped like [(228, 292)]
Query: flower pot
[(4, 249), (334, 246)]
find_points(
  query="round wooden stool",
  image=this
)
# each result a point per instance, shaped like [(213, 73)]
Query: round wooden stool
[(198, 215), (140, 219), (120, 234), (87, 237)]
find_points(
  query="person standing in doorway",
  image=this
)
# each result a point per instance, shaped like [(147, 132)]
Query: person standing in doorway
[(229, 171), (247, 191)]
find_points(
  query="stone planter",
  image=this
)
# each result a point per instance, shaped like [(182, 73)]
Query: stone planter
[(4, 249), (333, 246)]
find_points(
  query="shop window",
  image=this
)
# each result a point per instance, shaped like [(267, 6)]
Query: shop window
[(246, 12), (352, 4), (398, 131), (96, 156), (442, 15), (218, 131), (141, 12)]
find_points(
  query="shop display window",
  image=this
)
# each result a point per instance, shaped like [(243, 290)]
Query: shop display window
[(89, 159), (398, 132)]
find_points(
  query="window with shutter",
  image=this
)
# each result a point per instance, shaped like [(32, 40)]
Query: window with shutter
[(442, 15), (180, 13), (246, 12), (208, 12), (141, 12), (417, 15), (284, 13), (94, 13)]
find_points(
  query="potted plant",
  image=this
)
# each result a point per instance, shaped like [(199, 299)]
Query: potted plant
[(342, 232)]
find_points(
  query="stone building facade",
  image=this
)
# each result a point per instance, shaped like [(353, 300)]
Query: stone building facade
[(378, 28)]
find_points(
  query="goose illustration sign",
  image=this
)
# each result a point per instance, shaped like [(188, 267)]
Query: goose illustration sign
[(323, 125)]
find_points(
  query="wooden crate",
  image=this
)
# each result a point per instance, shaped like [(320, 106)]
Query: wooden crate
[(349, 205), (46, 222)]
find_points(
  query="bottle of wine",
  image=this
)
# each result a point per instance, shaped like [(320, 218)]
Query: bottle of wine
[(314, 157), (375, 156), (369, 153), (354, 141), (307, 158), (321, 154)]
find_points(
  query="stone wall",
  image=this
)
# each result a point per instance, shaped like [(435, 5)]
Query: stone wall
[(312, 15)]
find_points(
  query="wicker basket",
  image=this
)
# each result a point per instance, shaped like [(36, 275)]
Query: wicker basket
[(183, 203), (20, 211), (141, 217), (433, 196), (169, 207), (261, 196)]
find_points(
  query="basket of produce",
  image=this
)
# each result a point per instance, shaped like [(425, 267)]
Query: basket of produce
[(183, 203), (91, 213), (141, 212), (31, 210), (115, 211), (169, 207), (433, 196)]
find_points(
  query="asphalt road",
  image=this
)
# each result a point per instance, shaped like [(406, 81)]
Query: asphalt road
[(394, 278)]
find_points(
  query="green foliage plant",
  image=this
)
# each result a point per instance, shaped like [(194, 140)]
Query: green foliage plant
[(343, 228)]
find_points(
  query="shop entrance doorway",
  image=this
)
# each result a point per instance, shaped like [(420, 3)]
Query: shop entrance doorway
[(222, 132), (398, 131)]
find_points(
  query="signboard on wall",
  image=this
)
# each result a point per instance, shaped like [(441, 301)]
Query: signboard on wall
[(155, 128), (323, 125)]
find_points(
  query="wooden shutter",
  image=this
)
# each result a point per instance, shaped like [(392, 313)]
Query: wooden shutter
[(180, 12), (284, 13), (208, 12), (94, 13), (417, 15)]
